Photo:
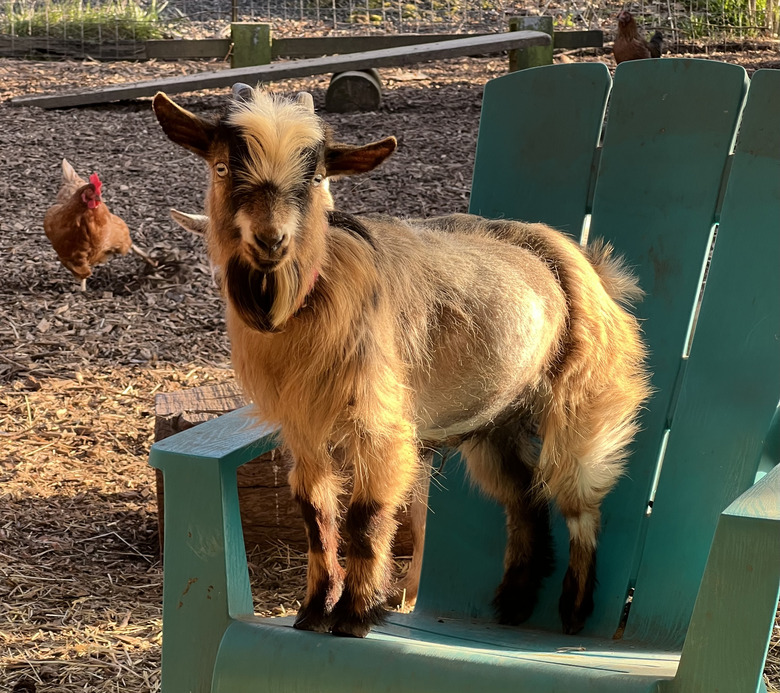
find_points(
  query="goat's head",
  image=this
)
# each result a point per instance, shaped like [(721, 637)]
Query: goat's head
[(270, 159)]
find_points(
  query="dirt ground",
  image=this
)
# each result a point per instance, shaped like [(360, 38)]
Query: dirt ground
[(80, 579)]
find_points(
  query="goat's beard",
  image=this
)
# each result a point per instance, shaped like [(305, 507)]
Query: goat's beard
[(263, 300)]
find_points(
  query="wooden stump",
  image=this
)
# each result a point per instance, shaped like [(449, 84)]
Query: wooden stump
[(268, 513), (251, 44), (356, 90)]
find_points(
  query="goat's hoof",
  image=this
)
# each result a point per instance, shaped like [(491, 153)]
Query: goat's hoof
[(351, 624), (313, 619), (513, 606), (517, 595), (352, 629), (574, 612)]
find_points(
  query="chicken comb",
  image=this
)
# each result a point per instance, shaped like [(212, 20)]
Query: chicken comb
[(96, 182)]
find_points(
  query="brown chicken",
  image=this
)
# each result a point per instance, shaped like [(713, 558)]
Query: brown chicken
[(81, 229), (629, 45)]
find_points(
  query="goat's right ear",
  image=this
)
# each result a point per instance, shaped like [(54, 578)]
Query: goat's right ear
[(196, 223), (182, 127)]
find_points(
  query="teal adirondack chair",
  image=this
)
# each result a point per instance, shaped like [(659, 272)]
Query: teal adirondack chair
[(687, 532)]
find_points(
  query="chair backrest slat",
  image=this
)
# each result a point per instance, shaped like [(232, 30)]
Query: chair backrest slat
[(670, 129), (530, 164), (732, 382)]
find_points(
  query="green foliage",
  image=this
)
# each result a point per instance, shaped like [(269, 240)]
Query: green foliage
[(77, 19), (712, 17)]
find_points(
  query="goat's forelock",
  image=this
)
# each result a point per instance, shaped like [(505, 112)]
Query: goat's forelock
[(279, 139)]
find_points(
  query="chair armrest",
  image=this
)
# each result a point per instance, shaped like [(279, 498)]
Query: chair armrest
[(728, 637), (206, 581), (229, 440)]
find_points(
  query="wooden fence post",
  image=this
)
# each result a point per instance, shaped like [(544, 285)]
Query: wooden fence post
[(533, 56), (251, 44)]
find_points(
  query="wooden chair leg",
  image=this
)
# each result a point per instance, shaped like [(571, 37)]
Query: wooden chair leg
[(206, 581)]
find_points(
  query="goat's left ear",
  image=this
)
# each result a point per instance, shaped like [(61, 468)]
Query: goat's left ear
[(347, 160), (182, 127)]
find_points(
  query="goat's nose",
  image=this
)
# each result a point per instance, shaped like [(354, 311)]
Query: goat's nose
[(271, 243)]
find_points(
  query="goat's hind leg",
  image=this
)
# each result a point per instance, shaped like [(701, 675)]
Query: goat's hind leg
[(316, 489), (502, 462), (586, 466)]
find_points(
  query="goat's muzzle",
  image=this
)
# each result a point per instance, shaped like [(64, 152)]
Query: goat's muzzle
[(267, 250)]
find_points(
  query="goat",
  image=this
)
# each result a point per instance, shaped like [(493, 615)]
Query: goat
[(367, 338)]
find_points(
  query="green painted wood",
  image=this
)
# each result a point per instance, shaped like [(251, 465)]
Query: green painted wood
[(512, 134), (388, 57), (206, 581), (685, 125), (233, 439), (732, 622), (461, 522), (718, 430), (538, 133), (419, 656), (535, 56), (669, 132)]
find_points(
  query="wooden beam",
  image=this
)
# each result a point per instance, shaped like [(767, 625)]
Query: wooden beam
[(43, 47), (175, 49), (390, 57), (193, 49), (315, 46), (578, 39)]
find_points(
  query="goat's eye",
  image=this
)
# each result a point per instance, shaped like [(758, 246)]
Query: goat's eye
[(316, 180), (221, 169)]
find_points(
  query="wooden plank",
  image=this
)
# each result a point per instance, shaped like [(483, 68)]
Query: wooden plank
[(555, 189), (390, 57), (569, 40), (535, 164), (303, 47), (41, 46), (311, 47), (719, 427), (732, 621), (175, 49), (316, 46), (655, 200)]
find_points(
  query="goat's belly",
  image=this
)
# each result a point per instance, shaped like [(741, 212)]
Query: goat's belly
[(471, 385)]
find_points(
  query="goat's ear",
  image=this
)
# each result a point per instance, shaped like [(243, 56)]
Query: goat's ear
[(182, 127), (196, 223), (346, 160)]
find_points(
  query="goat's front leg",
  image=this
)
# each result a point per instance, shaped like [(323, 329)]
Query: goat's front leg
[(384, 475), (316, 488)]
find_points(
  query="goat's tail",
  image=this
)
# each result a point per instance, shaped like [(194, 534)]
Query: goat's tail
[(620, 283)]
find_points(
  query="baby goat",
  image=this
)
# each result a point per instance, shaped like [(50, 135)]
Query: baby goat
[(365, 338)]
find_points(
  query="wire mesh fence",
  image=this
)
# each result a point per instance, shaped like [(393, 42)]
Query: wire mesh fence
[(119, 28)]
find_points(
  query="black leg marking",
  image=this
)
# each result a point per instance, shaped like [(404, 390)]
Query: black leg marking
[(530, 559), (576, 602)]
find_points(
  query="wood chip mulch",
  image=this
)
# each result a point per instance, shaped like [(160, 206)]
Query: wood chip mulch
[(80, 578)]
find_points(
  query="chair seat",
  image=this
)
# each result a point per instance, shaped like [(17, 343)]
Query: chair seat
[(419, 653)]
